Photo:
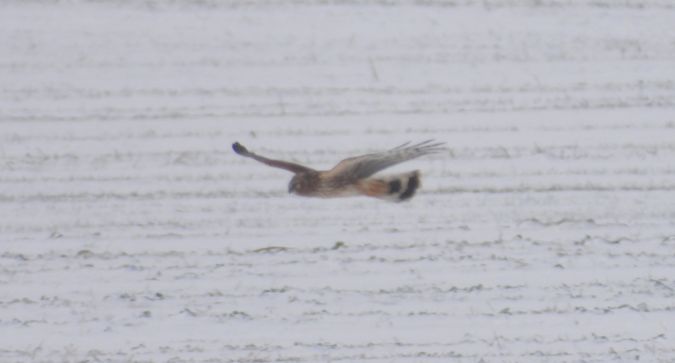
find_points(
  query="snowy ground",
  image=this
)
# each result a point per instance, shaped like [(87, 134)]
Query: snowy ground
[(130, 232)]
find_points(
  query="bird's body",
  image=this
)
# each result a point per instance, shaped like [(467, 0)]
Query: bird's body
[(354, 176)]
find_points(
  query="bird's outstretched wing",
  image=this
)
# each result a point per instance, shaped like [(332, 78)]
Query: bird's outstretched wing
[(369, 164), (292, 167)]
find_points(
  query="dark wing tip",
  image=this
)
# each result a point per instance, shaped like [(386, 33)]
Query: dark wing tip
[(239, 148), (429, 146)]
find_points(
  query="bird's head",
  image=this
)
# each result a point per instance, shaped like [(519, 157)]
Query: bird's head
[(302, 183), (295, 184)]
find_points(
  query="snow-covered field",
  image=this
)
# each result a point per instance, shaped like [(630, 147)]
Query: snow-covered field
[(130, 231)]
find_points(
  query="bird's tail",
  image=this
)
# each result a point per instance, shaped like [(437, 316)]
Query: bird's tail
[(394, 188)]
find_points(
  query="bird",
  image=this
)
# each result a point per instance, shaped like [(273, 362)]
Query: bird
[(355, 176)]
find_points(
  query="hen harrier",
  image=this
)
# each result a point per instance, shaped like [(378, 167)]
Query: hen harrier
[(352, 176)]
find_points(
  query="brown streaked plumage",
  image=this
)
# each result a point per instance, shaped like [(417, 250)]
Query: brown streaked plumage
[(352, 176)]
